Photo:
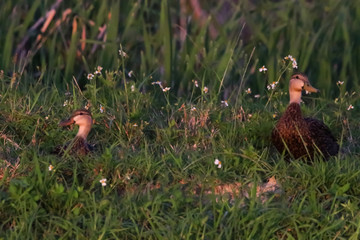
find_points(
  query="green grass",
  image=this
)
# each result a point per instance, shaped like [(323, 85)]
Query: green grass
[(157, 149)]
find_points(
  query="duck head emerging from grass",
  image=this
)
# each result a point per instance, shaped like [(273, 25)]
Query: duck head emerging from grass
[(302, 137), (299, 82), (79, 145)]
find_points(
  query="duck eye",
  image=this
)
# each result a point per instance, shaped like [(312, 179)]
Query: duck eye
[(297, 77)]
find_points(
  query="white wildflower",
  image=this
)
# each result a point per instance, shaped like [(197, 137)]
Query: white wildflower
[(87, 106), (98, 70), (51, 167), (217, 162), (292, 59), (90, 76), (103, 182), (156, 83), (350, 107), (225, 103), (130, 73), (102, 109), (294, 64), (272, 85), (263, 69), (166, 89), (122, 53), (288, 57)]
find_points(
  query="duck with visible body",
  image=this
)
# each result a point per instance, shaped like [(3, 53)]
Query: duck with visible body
[(298, 136), (79, 144)]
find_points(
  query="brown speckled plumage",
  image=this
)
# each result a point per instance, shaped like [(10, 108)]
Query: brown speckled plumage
[(302, 137), (78, 146)]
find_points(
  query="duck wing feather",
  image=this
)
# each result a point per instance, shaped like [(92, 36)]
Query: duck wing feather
[(322, 137)]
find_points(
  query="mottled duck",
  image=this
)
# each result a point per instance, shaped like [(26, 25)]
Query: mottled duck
[(78, 145), (298, 136)]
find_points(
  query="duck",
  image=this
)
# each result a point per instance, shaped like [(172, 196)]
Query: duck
[(79, 145), (301, 137)]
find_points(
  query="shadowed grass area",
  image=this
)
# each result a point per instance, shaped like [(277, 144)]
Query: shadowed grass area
[(183, 91)]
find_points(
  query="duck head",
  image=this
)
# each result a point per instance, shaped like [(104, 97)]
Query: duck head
[(299, 82), (82, 118)]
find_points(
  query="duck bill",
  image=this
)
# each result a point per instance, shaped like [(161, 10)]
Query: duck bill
[(310, 88), (66, 122)]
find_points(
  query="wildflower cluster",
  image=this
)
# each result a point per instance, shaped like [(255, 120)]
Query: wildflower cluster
[(161, 86), (292, 59), (272, 85), (350, 107), (98, 70)]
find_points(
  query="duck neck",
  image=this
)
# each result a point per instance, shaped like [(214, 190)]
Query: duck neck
[(83, 131), (295, 97)]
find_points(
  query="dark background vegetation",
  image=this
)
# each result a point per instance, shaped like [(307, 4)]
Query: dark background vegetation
[(180, 40)]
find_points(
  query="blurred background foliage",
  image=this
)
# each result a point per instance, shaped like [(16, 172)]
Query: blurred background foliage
[(220, 43)]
